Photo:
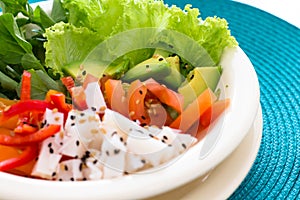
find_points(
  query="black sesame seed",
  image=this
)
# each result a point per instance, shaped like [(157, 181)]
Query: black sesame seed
[(72, 179), (76, 157), (87, 153), (60, 179), (150, 135), (81, 114), (93, 108), (163, 141), (84, 179), (80, 166), (126, 173), (147, 66), (77, 142), (66, 168), (72, 117), (107, 153), (73, 124), (116, 151), (192, 77), (121, 139), (51, 151), (183, 145), (37, 158), (53, 174), (143, 124), (84, 73), (95, 161), (165, 137), (114, 133), (160, 59), (141, 92), (143, 161), (50, 144), (61, 143), (143, 117)]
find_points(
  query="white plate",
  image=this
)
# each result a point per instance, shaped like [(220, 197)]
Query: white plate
[(223, 180), (239, 83)]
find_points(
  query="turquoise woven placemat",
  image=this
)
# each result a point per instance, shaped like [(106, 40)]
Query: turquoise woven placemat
[(273, 46)]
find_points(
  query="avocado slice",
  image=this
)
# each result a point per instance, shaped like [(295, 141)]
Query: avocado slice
[(200, 79), (156, 67), (78, 70), (175, 78)]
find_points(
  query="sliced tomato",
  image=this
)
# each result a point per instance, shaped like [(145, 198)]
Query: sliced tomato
[(89, 78), (165, 95), (79, 98), (115, 96), (194, 111), (136, 97)]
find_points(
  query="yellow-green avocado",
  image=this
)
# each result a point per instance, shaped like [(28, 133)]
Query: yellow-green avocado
[(199, 79)]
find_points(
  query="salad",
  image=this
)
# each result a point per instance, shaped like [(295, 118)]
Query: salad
[(101, 89)]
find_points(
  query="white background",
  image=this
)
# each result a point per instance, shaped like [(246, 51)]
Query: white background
[(289, 10)]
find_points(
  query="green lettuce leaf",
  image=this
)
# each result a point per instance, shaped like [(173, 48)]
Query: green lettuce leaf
[(200, 42), (15, 6), (67, 44)]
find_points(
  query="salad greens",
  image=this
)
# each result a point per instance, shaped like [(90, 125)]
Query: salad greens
[(44, 43)]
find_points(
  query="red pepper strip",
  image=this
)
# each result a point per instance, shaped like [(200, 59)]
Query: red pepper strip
[(136, 98), (59, 100), (165, 95), (23, 107), (69, 83), (25, 86), (27, 155), (38, 136), (25, 129)]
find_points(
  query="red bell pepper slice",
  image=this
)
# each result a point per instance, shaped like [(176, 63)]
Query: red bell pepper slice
[(23, 107), (25, 86), (38, 136), (27, 155), (69, 83), (59, 101)]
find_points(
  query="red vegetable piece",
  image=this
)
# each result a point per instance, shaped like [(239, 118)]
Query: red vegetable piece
[(68, 82), (27, 155), (24, 107), (211, 114), (25, 86), (194, 111), (165, 95), (79, 98), (59, 101), (136, 96), (115, 96), (36, 137)]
